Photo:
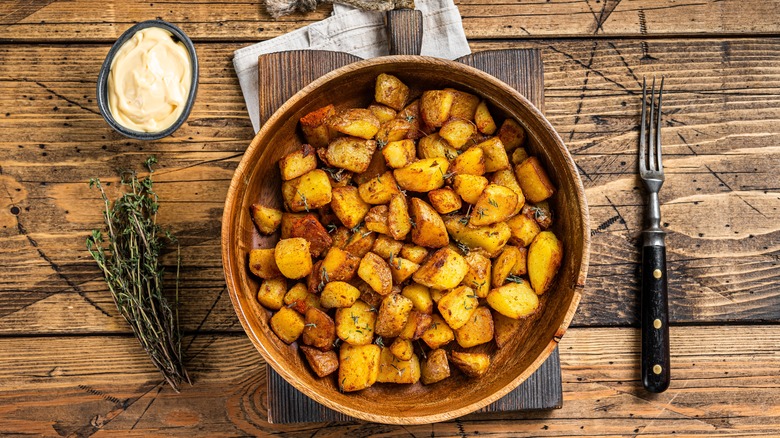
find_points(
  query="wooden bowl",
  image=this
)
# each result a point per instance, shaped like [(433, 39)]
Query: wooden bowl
[(257, 179)]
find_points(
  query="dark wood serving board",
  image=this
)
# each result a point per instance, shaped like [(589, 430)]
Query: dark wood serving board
[(279, 79)]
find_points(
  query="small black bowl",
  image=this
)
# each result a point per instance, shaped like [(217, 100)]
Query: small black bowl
[(102, 82)]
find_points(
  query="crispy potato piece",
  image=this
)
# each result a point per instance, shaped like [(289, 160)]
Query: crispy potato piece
[(436, 295), (478, 276), (521, 265), (416, 325), (389, 90), (315, 129), (519, 155), (339, 265), (504, 329), (392, 130), (512, 135), (438, 333), (429, 230), (271, 293), (513, 300), (376, 167), (393, 314), (435, 106), (287, 324), (376, 219), (507, 179), (400, 153), (435, 368), (375, 271), (358, 366), (470, 162), (483, 119), (457, 306), (495, 154), (544, 258), (523, 229), (469, 187), (395, 370), (411, 113), (402, 269), (472, 364), (315, 281), (398, 221), (490, 238), (300, 299), (504, 264), (355, 122), (298, 162), (457, 132), (423, 175), (263, 264), (307, 192), (414, 253), (288, 220), (478, 329), (434, 146), (444, 270), (323, 363), (266, 219), (402, 349), (338, 294), (293, 257), (355, 324), (464, 105), (348, 206), (533, 180), (541, 213), (340, 237), (444, 200), (309, 228), (379, 190), (420, 296), (319, 330), (495, 204), (382, 112), (386, 247), (351, 153), (360, 242)]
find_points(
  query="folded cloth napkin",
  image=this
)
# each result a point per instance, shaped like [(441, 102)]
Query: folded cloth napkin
[(357, 32)]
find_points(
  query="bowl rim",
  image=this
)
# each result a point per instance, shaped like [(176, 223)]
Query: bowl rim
[(229, 250), (105, 69)]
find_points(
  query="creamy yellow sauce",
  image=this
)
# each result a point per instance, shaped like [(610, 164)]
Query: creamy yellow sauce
[(150, 80)]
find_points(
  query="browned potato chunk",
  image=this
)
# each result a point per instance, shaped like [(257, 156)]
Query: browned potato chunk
[(386, 247), (435, 368), (288, 221), (519, 155), (469, 187), (298, 162), (360, 242), (319, 330), (358, 366), (495, 204), (351, 153), (356, 122), (376, 167), (398, 221), (444, 200), (402, 269), (478, 329), (423, 175), (263, 264), (478, 276), (428, 230), (523, 229), (436, 295), (457, 306), (400, 153), (513, 300), (414, 253), (395, 370), (541, 213), (309, 228), (293, 257), (512, 135), (367, 295), (271, 293), (504, 264), (438, 333), (307, 192), (323, 363), (416, 325), (287, 324), (402, 349), (355, 324), (300, 299), (470, 162), (521, 265), (444, 270), (533, 180), (374, 271), (392, 130), (382, 112), (435, 106), (315, 129), (376, 219), (544, 258), (393, 314), (483, 119), (338, 294), (490, 238), (457, 132), (339, 265), (411, 113), (504, 329), (495, 154), (420, 296), (265, 218), (507, 179), (390, 91), (463, 105), (434, 146), (348, 206), (379, 190), (472, 364)]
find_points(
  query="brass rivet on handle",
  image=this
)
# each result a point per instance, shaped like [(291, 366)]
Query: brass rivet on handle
[(657, 369), (657, 323), (657, 274)]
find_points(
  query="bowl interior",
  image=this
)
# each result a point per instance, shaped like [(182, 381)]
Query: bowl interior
[(257, 179)]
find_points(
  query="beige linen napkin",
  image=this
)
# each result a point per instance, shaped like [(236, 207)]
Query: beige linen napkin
[(357, 32)]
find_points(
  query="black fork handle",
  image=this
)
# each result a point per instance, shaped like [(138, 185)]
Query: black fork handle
[(655, 320)]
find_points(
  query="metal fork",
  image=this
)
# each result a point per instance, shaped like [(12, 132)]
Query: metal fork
[(655, 308)]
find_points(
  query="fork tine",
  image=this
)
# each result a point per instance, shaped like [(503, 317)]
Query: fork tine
[(651, 137), (642, 129), (658, 129)]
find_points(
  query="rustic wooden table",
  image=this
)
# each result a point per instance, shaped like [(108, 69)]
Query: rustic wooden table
[(69, 365)]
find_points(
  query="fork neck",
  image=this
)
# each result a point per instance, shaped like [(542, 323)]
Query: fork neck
[(653, 235)]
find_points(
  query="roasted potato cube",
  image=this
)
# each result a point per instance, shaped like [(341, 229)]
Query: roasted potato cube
[(263, 264), (338, 294), (458, 305), (519, 155), (478, 276), (386, 247), (504, 329), (348, 206), (457, 132), (438, 333), (315, 281), (382, 112), (444, 200), (400, 153), (495, 155), (464, 105), (351, 153), (266, 219), (470, 162), (436, 295), (435, 106), (544, 258), (444, 270), (379, 190), (402, 349), (360, 242), (300, 299), (434, 146), (414, 253), (429, 230), (490, 238), (271, 293), (495, 204), (315, 129), (355, 122), (376, 167), (478, 329), (423, 175), (521, 265), (375, 271), (513, 300), (298, 162), (512, 135), (323, 363), (402, 269), (395, 370), (367, 295), (504, 264), (389, 90), (376, 219), (339, 265), (541, 213), (523, 229), (472, 364), (435, 368), (307, 192), (319, 330), (507, 179), (287, 324), (355, 324), (420, 296), (392, 130), (469, 187), (309, 228), (398, 221), (288, 221), (483, 119), (358, 366), (533, 180), (393, 314), (411, 113), (416, 325), (293, 257)]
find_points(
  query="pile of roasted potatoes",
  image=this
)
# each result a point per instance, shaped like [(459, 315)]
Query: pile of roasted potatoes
[(414, 230)]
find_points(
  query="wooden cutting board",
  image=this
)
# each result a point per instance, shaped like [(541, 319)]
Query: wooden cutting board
[(280, 76)]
